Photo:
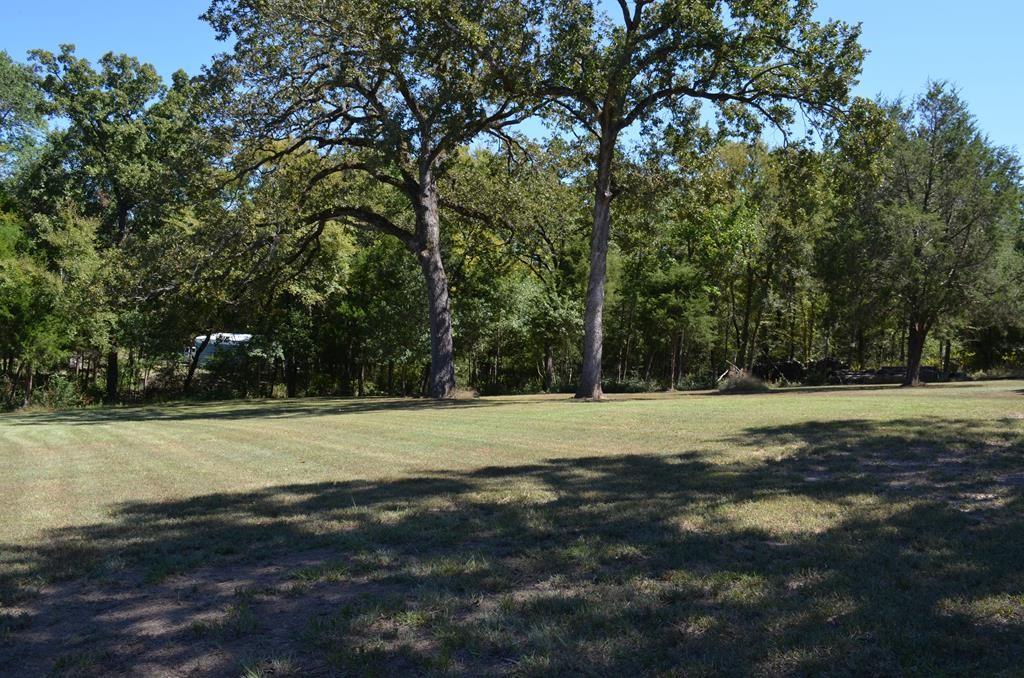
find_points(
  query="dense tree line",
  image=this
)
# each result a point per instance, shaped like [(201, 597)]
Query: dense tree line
[(506, 195)]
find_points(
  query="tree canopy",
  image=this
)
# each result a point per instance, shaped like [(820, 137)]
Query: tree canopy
[(402, 197)]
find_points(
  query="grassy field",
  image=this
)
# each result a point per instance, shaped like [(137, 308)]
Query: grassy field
[(831, 531)]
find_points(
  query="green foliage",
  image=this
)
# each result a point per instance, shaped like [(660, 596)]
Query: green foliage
[(752, 60), (45, 291), (21, 114), (659, 63), (282, 194), (927, 218), (59, 393), (103, 156)]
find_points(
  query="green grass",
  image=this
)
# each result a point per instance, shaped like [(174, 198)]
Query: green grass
[(818, 531)]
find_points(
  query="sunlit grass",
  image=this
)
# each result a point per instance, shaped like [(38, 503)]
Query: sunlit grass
[(833, 531)]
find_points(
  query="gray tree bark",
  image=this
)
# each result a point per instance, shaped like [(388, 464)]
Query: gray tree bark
[(29, 375), (549, 367), (441, 381), (593, 321), (916, 336)]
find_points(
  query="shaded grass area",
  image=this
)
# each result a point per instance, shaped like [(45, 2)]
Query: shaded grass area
[(882, 546)]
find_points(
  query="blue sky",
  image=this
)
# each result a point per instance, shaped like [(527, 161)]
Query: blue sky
[(977, 45)]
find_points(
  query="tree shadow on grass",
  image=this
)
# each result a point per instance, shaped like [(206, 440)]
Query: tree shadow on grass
[(848, 547), (322, 407), (240, 410), (278, 409)]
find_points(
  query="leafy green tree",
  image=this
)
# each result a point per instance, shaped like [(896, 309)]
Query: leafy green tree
[(955, 200), (101, 155), (47, 292), (930, 213), (243, 262), (752, 60), (133, 154), (664, 269), (386, 90), (781, 199), (848, 256), (21, 113), (524, 218), (377, 320)]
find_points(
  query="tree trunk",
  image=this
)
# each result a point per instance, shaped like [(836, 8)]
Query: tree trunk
[(425, 386), (131, 374), (792, 329), (13, 390), (497, 361), (754, 339), (549, 367), (593, 321), (122, 221), (743, 336), (623, 370), (680, 356), (291, 375), (112, 377), (917, 333), (29, 375), (194, 363), (441, 382), (673, 364), (947, 358), (362, 379), (809, 346)]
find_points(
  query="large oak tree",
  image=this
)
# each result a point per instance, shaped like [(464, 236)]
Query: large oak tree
[(387, 91), (129, 151), (755, 60)]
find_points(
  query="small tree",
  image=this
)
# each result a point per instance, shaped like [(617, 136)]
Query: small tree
[(534, 216)]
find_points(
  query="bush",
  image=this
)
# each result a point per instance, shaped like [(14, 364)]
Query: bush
[(996, 373), (238, 373), (59, 393), (631, 385), (695, 382)]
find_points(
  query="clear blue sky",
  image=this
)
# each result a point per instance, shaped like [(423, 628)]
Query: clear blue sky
[(978, 45)]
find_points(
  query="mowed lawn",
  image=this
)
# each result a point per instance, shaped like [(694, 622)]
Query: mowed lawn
[(821, 531)]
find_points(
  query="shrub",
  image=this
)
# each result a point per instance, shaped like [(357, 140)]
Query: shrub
[(695, 382), (59, 393), (996, 373), (631, 385)]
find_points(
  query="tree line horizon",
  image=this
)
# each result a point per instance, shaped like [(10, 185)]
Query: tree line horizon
[(351, 182)]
